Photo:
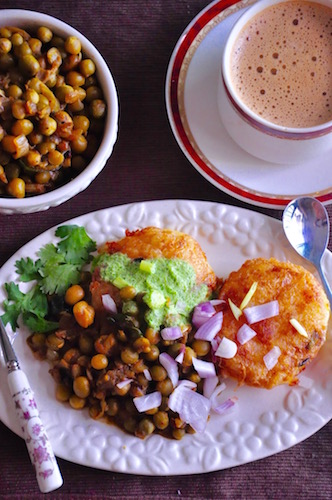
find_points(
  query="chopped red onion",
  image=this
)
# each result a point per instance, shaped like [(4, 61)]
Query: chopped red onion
[(244, 334), (108, 303), (210, 329), (214, 346), (263, 311), (209, 386), (202, 313), (217, 302), (171, 333), (215, 343), (147, 402), (175, 399), (124, 382), (147, 374), (195, 409), (180, 357), (271, 358), (227, 349), (170, 366), (226, 405), (187, 383), (192, 407), (216, 393), (205, 369)]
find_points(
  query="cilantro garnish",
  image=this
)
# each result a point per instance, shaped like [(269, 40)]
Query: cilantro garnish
[(27, 269), (60, 266), (57, 268), (32, 305)]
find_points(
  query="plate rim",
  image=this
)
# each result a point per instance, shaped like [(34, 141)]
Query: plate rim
[(183, 45)]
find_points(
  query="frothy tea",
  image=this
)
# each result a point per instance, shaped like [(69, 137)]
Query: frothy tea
[(282, 64)]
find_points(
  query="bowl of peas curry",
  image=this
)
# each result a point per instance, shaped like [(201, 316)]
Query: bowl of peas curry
[(58, 112)]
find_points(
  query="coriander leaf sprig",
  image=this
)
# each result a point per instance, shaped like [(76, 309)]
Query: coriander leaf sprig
[(57, 268), (27, 269), (32, 305)]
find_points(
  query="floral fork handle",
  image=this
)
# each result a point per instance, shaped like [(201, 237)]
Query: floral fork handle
[(39, 447)]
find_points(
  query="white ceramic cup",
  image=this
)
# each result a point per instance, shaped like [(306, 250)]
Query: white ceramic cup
[(259, 137)]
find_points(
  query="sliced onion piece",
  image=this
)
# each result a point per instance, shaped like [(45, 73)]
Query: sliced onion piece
[(227, 349), (180, 357), (192, 407), (147, 402), (244, 334), (195, 409), (215, 343), (217, 302), (209, 386), (147, 374), (214, 347), (124, 382), (249, 295), (171, 333), (298, 327), (216, 393), (205, 369), (235, 310), (187, 383), (170, 366), (202, 313), (263, 311), (271, 358), (175, 399), (108, 303), (210, 329), (226, 405)]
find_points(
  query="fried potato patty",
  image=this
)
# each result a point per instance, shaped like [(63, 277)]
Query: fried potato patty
[(300, 296), (153, 242)]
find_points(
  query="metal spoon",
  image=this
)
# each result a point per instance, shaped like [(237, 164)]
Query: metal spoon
[(306, 225)]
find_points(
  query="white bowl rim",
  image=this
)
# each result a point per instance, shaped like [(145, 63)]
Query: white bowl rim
[(83, 179)]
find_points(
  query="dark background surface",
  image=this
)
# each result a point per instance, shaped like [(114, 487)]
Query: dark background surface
[(136, 38)]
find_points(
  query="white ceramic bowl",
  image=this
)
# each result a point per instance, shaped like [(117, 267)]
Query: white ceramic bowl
[(256, 135), (29, 20)]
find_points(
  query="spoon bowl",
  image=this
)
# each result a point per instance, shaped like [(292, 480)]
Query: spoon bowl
[(306, 226)]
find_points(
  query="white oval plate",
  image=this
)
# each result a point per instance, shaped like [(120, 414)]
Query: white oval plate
[(191, 100), (263, 422)]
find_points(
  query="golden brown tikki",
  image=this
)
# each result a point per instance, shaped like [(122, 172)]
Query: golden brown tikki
[(153, 242), (278, 339)]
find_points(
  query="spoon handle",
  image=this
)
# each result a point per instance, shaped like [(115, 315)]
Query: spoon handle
[(39, 447), (325, 283)]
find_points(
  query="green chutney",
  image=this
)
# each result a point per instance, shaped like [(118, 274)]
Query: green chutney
[(169, 286)]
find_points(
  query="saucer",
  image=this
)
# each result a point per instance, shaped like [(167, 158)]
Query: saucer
[(191, 101)]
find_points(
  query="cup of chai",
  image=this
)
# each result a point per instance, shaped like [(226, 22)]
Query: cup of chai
[(275, 91)]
